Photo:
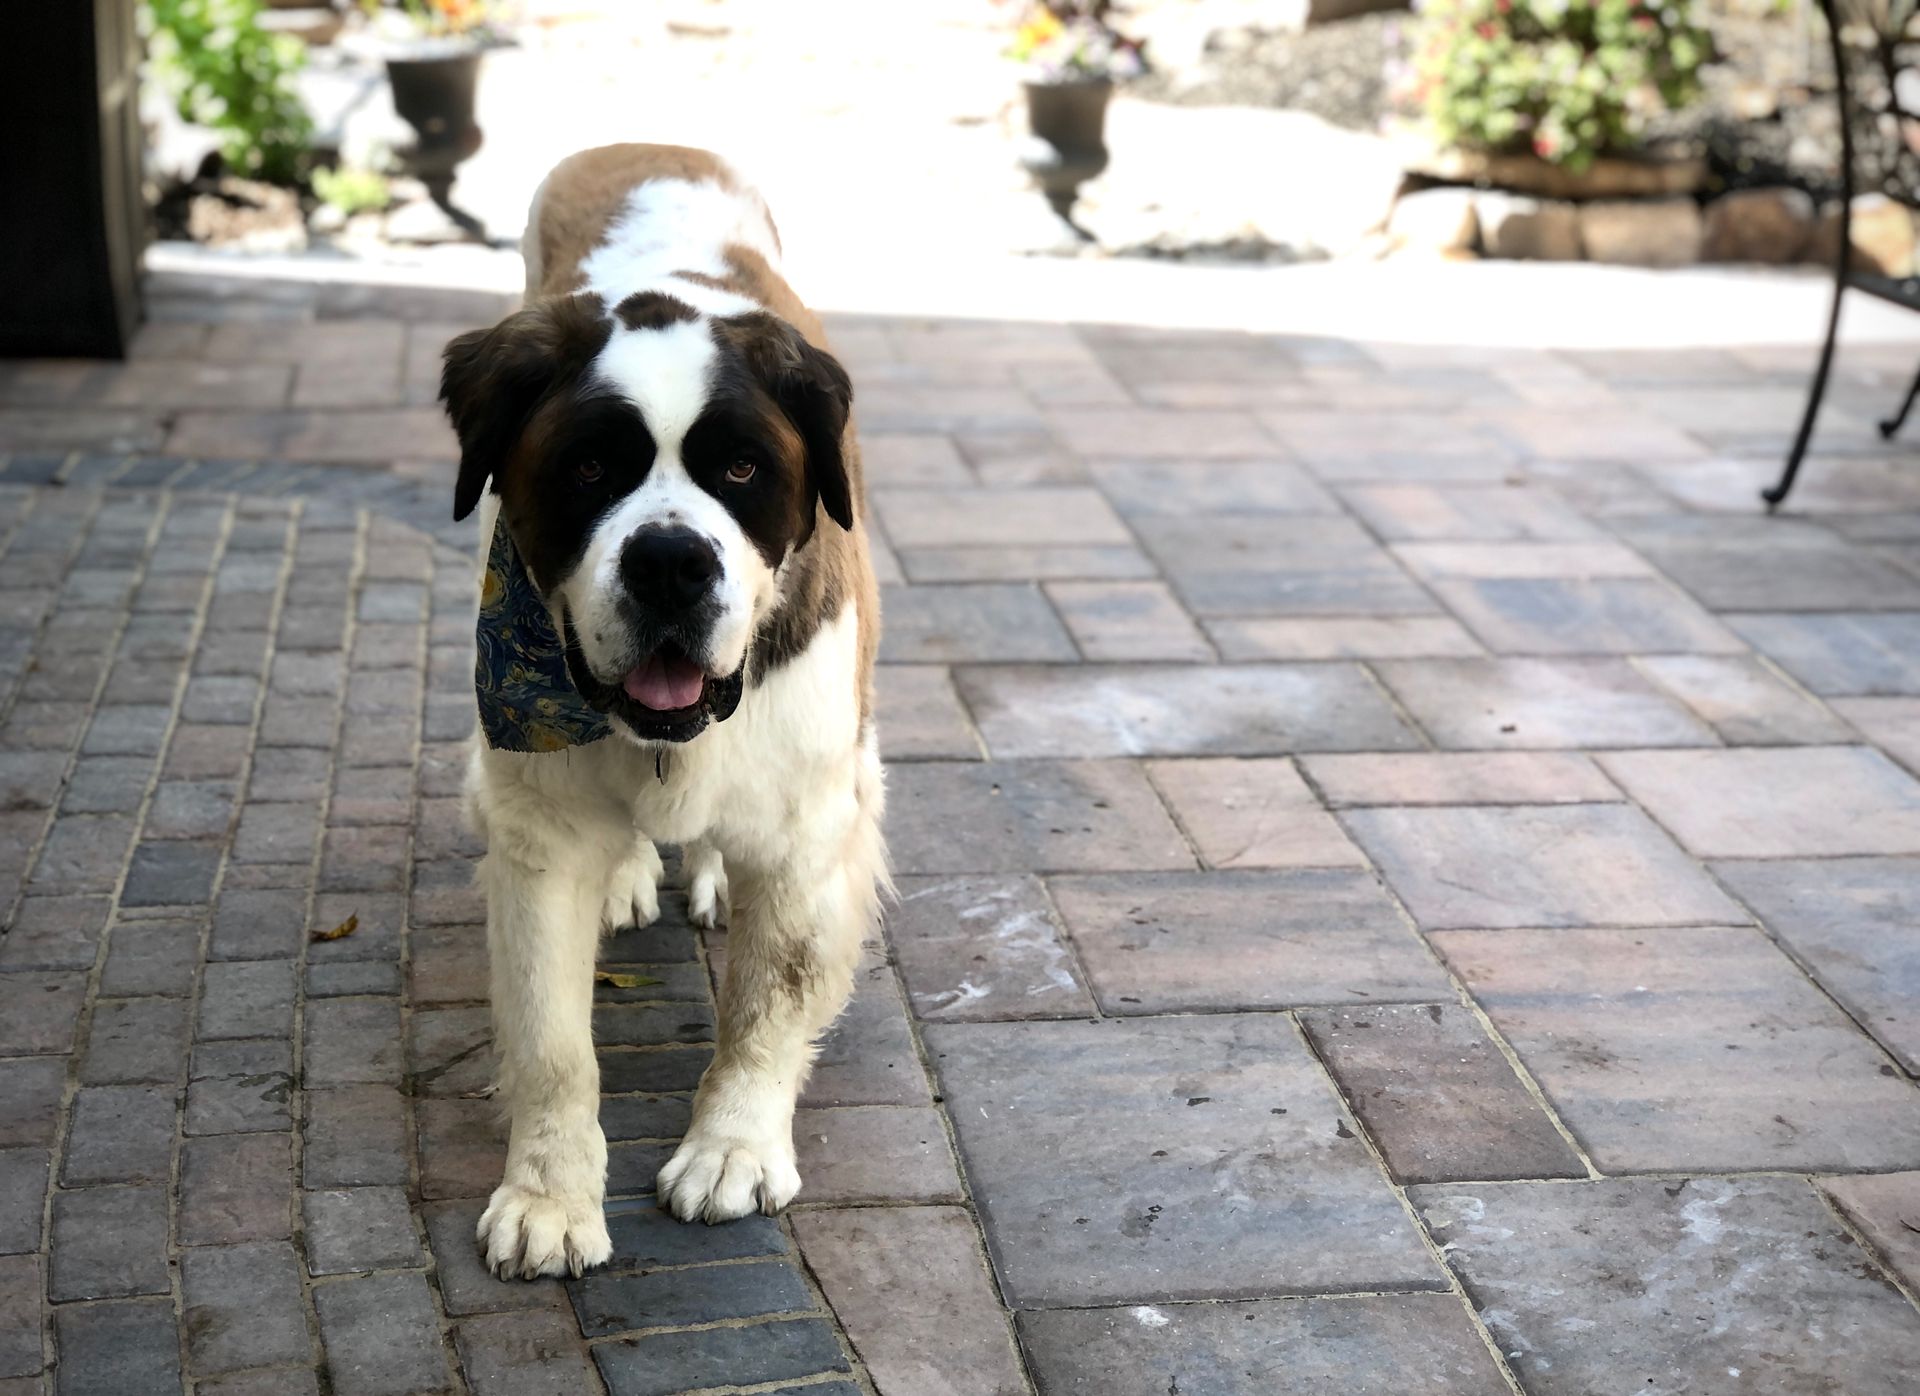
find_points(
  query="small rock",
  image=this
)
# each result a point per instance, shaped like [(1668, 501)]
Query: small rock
[(1435, 220), (1757, 225), (1882, 236), (246, 214), (1641, 232), (326, 220), (1538, 230), (424, 222)]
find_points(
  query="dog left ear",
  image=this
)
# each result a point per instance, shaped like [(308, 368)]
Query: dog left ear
[(812, 389), (494, 379)]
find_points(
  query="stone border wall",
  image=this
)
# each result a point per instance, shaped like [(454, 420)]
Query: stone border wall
[(1776, 226)]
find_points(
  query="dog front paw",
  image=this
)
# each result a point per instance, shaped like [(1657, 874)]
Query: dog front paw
[(525, 1234), (633, 893), (716, 1177)]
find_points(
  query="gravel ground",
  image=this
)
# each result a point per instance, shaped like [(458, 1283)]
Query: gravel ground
[(1335, 71)]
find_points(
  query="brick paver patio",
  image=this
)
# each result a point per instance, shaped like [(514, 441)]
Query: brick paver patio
[(1407, 885)]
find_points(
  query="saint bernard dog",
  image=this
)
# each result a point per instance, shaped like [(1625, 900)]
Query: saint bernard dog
[(663, 456)]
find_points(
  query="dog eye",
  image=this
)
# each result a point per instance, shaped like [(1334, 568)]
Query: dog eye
[(740, 471), (590, 472)]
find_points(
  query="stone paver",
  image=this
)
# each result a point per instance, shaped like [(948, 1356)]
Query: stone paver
[(1537, 865), (1855, 924), (1178, 1152), (526, 1354), (1210, 942), (1886, 1209), (1384, 1345), (1119, 710), (921, 717), (1252, 814), (126, 1346), (1128, 621), (1893, 724), (1260, 565), (380, 1336), (662, 1364), (1845, 654), (1488, 704), (907, 1284), (875, 1153), (1227, 678), (983, 947), (1039, 816), (1705, 1285), (1460, 778), (1799, 802), (1698, 1049), (1436, 1095), (1747, 704), (986, 621)]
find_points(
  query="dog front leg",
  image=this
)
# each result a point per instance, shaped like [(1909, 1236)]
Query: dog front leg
[(546, 1216), (791, 953)]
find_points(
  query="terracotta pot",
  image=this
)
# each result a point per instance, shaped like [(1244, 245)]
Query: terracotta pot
[(1068, 121)]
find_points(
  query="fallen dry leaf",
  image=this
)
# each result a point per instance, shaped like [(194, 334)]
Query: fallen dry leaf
[(624, 981), (341, 931)]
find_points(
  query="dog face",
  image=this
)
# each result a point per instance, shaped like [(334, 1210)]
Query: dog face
[(657, 469)]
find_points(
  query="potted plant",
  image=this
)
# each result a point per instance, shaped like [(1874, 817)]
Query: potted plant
[(1072, 55), (432, 50), (1559, 95)]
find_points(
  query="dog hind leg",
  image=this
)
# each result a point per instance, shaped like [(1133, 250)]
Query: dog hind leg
[(706, 885)]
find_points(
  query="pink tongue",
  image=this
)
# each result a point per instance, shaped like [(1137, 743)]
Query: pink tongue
[(665, 683)]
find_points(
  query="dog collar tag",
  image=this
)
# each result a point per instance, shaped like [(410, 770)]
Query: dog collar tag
[(527, 699)]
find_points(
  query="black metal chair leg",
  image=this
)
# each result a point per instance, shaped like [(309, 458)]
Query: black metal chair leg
[(1899, 419), (1776, 494), (1843, 260)]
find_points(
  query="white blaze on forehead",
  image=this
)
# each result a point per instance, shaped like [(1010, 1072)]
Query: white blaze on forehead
[(664, 372), (674, 225)]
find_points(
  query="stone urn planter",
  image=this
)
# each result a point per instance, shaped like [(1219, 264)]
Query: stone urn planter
[(434, 82), (1067, 146)]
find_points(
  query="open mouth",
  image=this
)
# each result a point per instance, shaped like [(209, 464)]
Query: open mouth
[(667, 697), (666, 683)]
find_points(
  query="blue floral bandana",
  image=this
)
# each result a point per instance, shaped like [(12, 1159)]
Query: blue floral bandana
[(527, 699)]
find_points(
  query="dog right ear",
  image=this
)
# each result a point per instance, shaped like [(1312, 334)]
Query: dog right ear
[(493, 380)]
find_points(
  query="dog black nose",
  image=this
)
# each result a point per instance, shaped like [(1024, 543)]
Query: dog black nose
[(668, 568)]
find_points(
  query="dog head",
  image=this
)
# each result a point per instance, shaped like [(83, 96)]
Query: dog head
[(657, 468)]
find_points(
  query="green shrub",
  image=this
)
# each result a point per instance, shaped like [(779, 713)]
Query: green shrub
[(1567, 79), (225, 72), (351, 190)]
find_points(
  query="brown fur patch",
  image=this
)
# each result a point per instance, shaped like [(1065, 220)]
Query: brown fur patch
[(586, 193), (654, 310), (700, 278), (494, 379), (835, 568)]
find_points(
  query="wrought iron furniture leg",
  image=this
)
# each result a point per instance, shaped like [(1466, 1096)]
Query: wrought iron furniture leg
[(1843, 257), (1899, 419)]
